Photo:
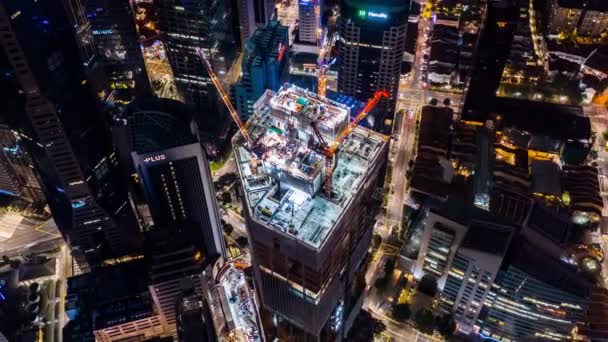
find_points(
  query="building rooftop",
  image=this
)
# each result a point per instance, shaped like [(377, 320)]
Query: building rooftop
[(33, 271), (571, 3), (583, 187), (536, 262), (283, 172), (488, 238), (111, 295), (435, 125), (267, 43), (569, 122), (549, 223), (598, 5), (293, 100), (158, 124), (545, 178)]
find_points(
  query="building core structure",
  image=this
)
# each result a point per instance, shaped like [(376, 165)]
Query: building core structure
[(308, 243)]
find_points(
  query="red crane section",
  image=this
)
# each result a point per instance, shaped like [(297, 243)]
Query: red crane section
[(330, 151), (225, 98), (368, 107)]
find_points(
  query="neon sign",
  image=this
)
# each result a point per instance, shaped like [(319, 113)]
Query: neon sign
[(155, 158), (377, 15), (371, 14)]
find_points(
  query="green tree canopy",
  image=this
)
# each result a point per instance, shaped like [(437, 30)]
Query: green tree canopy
[(425, 322), (401, 312), (446, 325)]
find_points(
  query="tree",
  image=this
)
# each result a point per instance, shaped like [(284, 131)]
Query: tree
[(376, 241), (425, 321), (227, 179), (593, 154), (228, 229), (446, 325), (428, 285), (225, 198), (242, 241), (379, 326), (389, 266), (381, 283), (401, 312)]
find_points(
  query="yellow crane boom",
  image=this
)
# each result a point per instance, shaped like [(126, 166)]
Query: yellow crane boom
[(224, 95)]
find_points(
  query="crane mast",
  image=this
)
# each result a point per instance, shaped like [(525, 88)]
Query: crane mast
[(324, 64)]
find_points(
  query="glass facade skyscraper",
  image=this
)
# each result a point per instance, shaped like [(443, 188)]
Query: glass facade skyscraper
[(116, 40), (52, 102), (372, 42), (175, 176), (265, 57), (534, 297), (186, 26)]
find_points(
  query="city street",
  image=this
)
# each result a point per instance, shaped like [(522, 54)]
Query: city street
[(411, 98), (401, 332), (405, 130)]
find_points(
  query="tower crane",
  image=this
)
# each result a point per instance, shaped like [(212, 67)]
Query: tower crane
[(329, 151), (322, 79), (225, 98)]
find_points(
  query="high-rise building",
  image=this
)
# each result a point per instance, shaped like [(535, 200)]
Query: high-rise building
[(495, 42), (564, 15), (372, 43), (309, 226), (76, 13), (254, 14), (175, 176), (173, 259), (587, 18), (310, 21), (48, 98), (440, 240), (535, 296), (194, 322), (265, 57), (594, 21), (205, 24), (113, 303), (116, 40), (17, 175), (472, 272)]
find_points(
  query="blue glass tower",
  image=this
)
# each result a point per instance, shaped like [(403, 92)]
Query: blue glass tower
[(266, 55)]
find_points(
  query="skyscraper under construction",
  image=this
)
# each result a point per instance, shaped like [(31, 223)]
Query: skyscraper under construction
[(308, 210)]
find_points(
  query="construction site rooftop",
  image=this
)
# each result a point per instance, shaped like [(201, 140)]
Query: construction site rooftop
[(282, 173), (310, 106)]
